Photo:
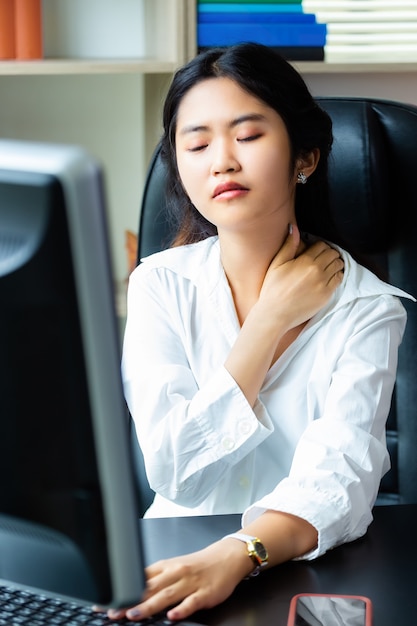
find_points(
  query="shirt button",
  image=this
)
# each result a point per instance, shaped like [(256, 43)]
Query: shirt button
[(228, 443), (244, 482), (244, 427)]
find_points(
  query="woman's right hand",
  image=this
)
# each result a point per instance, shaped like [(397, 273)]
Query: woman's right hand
[(192, 582)]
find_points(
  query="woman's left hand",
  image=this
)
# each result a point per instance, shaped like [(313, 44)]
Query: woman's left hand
[(192, 582)]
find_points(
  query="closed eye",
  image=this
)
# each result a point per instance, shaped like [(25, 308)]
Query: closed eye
[(250, 138), (197, 148)]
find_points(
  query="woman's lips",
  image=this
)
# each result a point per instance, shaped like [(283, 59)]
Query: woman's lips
[(229, 190)]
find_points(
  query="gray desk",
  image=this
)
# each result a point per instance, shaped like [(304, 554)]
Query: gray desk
[(382, 566)]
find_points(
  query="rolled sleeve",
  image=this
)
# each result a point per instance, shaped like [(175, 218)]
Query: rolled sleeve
[(341, 456), (191, 431)]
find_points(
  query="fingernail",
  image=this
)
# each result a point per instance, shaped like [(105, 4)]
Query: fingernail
[(115, 614), (290, 229), (133, 613)]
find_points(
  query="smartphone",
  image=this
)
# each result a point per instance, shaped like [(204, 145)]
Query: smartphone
[(329, 610)]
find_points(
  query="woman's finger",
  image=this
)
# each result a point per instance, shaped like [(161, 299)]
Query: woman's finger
[(288, 250), (191, 604)]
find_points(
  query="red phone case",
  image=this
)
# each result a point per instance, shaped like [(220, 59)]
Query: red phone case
[(365, 600)]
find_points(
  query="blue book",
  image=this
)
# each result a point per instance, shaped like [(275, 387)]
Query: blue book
[(209, 35), (238, 17), (250, 8)]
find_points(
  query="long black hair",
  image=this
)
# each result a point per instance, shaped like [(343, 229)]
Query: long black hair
[(263, 73)]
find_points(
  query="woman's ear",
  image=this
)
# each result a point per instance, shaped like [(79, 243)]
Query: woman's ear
[(306, 164)]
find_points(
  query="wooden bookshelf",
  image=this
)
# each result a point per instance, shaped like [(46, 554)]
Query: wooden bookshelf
[(155, 66), (50, 67)]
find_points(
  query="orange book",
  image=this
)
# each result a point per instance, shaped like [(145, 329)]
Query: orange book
[(7, 31), (28, 29)]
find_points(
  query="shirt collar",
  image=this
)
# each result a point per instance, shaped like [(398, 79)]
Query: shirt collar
[(201, 263)]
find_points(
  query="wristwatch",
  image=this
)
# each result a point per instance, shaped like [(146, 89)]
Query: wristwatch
[(256, 550)]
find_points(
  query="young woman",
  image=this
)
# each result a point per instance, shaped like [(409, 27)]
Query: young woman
[(259, 356)]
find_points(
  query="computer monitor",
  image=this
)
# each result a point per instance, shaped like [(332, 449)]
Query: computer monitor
[(68, 515)]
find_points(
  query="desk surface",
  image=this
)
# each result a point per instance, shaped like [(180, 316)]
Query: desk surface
[(382, 566)]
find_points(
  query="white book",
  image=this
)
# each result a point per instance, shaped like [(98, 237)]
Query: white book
[(357, 5), (372, 27), (374, 30), (371, 54), (372, 38), (328, 17)]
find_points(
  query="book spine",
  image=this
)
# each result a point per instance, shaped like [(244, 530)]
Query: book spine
[(250, 8), (359, 5), (7, 34), (267, 34), (249, 2), (295, 53), (28, 29), (254, 18)]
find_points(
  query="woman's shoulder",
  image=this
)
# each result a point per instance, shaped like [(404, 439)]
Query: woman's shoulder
[(186, 260), (362, 282), (359, 281)]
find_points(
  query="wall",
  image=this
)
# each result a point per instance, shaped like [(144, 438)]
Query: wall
[(401, 86), (103, 113)]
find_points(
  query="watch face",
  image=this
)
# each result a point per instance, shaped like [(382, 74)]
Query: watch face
[(260, 550)]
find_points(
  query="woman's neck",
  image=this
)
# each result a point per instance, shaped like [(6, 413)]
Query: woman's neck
[(245, 260)]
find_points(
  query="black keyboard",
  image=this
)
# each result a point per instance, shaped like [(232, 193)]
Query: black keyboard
[(24, 608)]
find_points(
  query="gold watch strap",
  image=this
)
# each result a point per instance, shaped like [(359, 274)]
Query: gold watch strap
[(250, 543)]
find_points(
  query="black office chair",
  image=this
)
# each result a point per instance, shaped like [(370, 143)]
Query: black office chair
[(374, 194)]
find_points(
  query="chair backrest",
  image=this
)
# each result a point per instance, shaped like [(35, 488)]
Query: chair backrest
[(373, 193)]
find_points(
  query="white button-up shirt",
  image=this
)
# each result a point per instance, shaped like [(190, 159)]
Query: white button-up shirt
[(314, 443)]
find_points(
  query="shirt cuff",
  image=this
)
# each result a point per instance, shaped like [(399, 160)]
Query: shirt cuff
[(328, 513), (249, 427)]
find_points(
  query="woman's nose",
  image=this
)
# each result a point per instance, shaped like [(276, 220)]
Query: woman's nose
[(224, 160)]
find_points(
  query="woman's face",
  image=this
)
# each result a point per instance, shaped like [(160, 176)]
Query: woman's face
[(234, 157)]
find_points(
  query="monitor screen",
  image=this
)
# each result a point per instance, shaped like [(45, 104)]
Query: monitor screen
[(68, 516)]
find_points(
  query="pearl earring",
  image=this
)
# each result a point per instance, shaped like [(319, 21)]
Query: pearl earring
[(301, 178)]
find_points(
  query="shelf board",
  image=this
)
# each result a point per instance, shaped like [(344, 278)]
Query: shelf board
[(154, 66), (85, 66)]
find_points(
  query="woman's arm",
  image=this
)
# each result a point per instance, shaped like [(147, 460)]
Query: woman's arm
[(295, 288), (206, 578), (341, 456), (184, 403)]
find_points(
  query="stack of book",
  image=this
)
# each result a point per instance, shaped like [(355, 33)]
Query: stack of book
[(281, 24), (368, 30), (21, 29)]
